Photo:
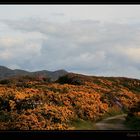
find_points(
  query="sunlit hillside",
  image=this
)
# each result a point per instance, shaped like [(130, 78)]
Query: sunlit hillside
[(36, 103)]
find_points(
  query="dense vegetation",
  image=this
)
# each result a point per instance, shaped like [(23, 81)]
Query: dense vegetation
[(133, 117), (32, 103)]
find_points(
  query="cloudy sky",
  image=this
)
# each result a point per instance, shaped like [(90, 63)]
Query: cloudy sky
[(89, 39)]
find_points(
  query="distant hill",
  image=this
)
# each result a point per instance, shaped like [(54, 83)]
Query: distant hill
[(62, 77), (8, 73)]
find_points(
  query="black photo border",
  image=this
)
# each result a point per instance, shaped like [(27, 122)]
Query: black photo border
[(69, 134)]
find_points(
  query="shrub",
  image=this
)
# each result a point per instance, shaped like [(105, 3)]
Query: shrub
[(4, 116), (74, 80), (5, 82)]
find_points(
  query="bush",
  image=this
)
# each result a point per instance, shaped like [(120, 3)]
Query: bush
[(74, 80), (4, 104), (133, 122), (26, 104), (132, 119), (5, 82), (4, 116)]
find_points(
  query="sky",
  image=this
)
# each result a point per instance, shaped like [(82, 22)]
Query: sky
[(101, 40)]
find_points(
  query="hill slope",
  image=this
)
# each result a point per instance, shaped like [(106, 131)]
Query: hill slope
[(7, 73), (67, 103)]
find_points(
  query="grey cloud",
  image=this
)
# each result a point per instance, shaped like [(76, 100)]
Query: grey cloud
[(86, 46)]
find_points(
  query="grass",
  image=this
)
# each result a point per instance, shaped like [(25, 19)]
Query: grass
[(136, 90), (80, 124), (111, 112), (133, 122)]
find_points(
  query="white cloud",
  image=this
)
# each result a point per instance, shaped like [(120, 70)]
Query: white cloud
[(16, 51), (10, 41), (6, 55), (133, 53)]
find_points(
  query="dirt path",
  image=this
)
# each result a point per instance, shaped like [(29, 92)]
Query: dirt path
[(112, 123)]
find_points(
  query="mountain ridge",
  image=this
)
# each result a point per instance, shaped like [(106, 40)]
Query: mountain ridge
[(6, 72)]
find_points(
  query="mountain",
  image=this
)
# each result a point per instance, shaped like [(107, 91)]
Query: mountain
[(8, 73), (52, 75)]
